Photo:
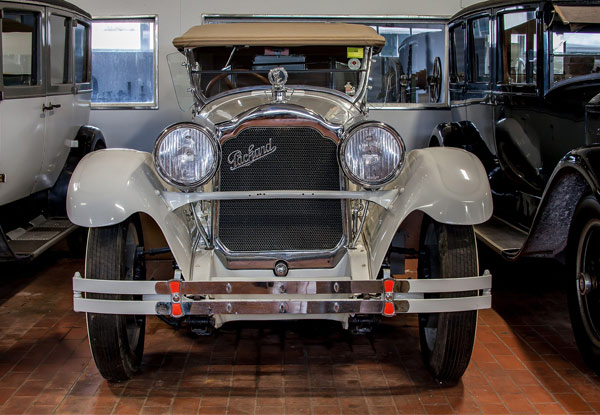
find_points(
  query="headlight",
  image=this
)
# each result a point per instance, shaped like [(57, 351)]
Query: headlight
[(186, 155), (372, 154)]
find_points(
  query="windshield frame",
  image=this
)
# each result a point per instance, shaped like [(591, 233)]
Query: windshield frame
[(358, 100)]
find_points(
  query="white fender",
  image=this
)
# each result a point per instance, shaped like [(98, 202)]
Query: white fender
[(448, 184), (110, 185)]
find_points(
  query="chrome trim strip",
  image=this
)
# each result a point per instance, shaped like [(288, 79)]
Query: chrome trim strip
[(283, 306), (446, 305), (383, 198), (277, 286)]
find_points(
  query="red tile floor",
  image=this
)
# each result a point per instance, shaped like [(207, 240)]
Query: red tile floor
[(524, 361)]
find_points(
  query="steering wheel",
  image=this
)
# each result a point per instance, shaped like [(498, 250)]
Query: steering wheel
[(215, 80), (435, 81)]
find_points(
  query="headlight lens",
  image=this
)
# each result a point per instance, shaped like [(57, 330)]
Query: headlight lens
[(186, 155), (372, 154)]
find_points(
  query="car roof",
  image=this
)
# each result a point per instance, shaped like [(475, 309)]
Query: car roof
[(508, 3), (57, 3), (279, 35)]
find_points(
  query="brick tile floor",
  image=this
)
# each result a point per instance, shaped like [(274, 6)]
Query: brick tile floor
[(524, 361)]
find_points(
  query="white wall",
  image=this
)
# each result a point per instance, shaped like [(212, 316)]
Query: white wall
[(139, 128)]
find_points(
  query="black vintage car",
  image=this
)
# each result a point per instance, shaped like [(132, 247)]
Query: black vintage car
[(524, 94)]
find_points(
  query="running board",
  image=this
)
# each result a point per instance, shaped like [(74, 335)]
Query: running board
[(44, 233), (501, 237)]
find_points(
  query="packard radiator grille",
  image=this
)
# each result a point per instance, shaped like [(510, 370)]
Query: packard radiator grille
[(279, 158)]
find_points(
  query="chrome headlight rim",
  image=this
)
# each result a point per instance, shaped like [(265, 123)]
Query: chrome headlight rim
[(357, 180), (206, 178)]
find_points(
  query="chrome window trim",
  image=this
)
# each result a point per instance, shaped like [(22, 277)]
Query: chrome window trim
[(133, 105)]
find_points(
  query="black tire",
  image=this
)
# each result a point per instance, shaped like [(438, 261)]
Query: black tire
[(583, 289), (447, 339), (117, 341), (76, 242)]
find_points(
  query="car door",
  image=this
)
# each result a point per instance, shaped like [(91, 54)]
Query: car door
[(61, 126), (22, 120)]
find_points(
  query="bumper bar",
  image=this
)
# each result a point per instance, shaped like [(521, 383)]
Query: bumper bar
[(387, 297)]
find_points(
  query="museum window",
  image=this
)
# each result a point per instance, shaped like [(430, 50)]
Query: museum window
[(124, 56), (519, 47)]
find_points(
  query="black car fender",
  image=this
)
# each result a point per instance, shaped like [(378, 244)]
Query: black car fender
[(88, 139), (465, 135), (576, 176)]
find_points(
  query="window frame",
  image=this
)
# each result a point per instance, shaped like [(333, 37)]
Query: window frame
[(457, 86), (531, 88), (131, 105), (83, 87), (471, 82), (26, 91), (368, 20), (62, 88)]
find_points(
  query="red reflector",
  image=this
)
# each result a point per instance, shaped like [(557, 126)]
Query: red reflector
[(388, 285), (389, 310), (176, 310), (174, 287)]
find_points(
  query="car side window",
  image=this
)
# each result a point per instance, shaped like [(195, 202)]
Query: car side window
[(519, 47), (59, 52), (479, 36), (20, 34), (457, 40), (82, 53)]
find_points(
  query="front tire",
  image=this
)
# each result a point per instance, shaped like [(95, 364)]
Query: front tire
[(447, 339), (116, 341), (583, 285)]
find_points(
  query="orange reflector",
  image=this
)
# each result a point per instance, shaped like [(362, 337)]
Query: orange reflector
[(388, 285), (389, 310), (176, 310), (174, 287)]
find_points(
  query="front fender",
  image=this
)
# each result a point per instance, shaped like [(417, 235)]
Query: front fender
[(448, 184), (108, 186)]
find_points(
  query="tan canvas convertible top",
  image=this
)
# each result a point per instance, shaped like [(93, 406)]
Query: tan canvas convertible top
[(279, 35)]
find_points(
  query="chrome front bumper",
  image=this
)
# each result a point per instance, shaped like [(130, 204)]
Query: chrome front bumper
[(178, 298)]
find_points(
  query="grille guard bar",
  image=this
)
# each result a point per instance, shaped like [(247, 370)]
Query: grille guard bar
[(385, 297), (383, 198)]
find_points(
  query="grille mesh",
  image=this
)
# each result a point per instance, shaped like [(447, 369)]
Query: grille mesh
[(300, 158)]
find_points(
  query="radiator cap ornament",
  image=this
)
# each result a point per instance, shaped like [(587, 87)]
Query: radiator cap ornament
[(278, 78)]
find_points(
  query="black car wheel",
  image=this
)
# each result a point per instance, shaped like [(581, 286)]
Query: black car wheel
[(117, 341), (583, 290), (447, 339)]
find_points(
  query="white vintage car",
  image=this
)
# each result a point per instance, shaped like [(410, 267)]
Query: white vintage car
[(44, 108), (281, 200)]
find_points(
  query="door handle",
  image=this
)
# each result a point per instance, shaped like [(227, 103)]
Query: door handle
[(50, 107)]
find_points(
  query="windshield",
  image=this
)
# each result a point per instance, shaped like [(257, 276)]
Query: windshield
[(221, 69), (575, 51)]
